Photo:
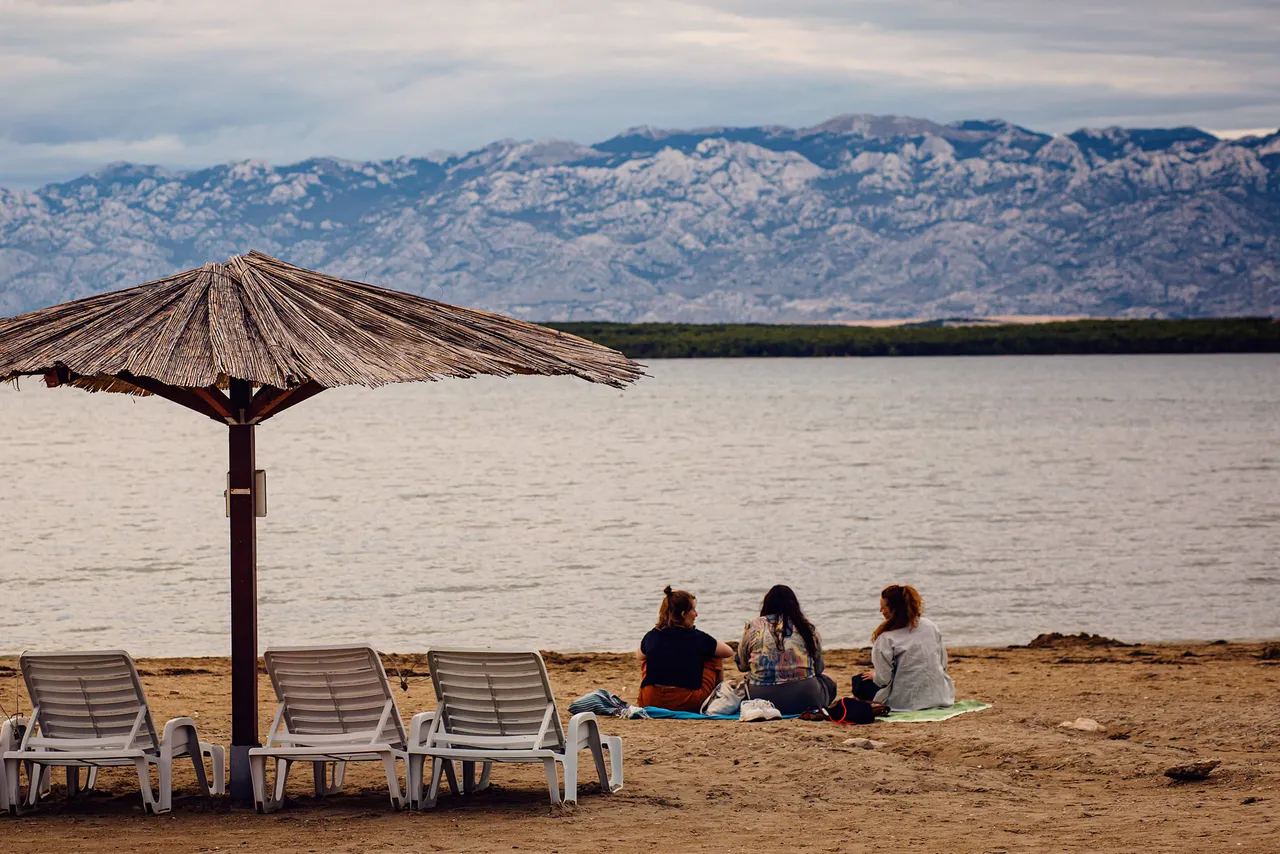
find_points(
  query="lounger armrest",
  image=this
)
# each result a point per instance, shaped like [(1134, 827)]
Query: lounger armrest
[(418, 728), (9, 739), (180, 730), (579, 726)]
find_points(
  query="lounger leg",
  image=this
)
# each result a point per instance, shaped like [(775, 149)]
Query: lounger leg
[(452, 776), (91, 780), (263, 801), (73, 781), (468, 777), (165, 766), (282, 777), (202, 780), (393, 780), (11, 767), (597, 753), (433, 791), (37, 776), (614, 745), (326, 783), (43, 779), (258, 776), (144, 784), (571, 776), (413, 779), (553, 783), (218, 757), (484, 776)]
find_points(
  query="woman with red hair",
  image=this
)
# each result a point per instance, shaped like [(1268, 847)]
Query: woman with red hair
[(910, 661)]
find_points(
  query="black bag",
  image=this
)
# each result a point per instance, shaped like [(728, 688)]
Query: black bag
[(851, 710)]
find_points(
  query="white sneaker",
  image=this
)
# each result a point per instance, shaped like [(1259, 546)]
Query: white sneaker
[(759, 710)]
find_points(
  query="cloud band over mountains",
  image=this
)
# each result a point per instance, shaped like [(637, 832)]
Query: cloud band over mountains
[(84, 82)]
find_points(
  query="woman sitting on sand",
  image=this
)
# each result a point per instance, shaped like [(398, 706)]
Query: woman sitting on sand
[(910, 661), (781, 653), (679, 665)]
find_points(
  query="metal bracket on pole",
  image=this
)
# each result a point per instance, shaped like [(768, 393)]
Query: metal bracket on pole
[(258, 491)]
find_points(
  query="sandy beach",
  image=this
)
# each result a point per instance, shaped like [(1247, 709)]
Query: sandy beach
[(1008, 779)]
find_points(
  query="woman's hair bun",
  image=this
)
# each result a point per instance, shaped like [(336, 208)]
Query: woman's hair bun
[(667, 590)]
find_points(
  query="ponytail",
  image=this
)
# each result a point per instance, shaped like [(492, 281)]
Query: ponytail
[(675, 605)]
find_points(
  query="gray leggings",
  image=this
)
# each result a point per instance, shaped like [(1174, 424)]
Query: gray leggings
[(792, 698)]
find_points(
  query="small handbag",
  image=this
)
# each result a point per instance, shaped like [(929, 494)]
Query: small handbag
[(725, 699)]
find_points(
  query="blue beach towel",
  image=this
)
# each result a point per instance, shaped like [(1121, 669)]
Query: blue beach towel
[(667, 714)]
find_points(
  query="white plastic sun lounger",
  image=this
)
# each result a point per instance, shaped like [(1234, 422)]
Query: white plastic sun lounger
[(89, 711), (497, 706), (336, 706)]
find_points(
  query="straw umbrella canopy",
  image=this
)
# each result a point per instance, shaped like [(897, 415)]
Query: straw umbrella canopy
[(244, 340)]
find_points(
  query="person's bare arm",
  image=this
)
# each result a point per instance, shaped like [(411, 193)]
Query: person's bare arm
[(723, 650), (639, 654)]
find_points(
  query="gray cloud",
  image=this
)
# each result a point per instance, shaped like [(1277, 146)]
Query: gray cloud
[(196, 82)]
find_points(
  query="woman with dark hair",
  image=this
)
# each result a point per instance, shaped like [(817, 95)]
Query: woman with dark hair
[(679, 665), (910, 661), (781, 653)]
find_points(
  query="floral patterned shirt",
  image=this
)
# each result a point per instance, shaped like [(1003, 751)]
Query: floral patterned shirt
[(772, 652)]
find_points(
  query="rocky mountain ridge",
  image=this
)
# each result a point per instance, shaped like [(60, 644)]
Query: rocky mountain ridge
[(857, 217)]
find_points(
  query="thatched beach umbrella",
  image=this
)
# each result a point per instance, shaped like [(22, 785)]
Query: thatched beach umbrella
[(242, 341)]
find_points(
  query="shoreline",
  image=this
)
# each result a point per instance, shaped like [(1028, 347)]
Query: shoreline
[(1009, 778), (8, 659), (1092, 336)]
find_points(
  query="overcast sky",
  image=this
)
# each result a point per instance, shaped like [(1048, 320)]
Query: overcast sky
[(196, 82)]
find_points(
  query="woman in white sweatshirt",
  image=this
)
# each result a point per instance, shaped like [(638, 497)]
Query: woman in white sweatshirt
[(910, 661)]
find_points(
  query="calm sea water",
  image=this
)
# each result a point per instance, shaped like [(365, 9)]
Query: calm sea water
[(1136, 497)]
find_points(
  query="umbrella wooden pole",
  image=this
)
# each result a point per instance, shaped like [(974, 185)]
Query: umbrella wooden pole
[(244, 596)]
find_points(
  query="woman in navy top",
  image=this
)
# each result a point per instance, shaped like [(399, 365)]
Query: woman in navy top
[(680, 666)]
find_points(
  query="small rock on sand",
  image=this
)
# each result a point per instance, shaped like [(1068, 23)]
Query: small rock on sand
[(1192, 770), (1083, 725), (865, 743)]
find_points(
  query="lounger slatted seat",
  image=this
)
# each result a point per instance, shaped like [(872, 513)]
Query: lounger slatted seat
[(335, 706), (89, 711), (497, 706)]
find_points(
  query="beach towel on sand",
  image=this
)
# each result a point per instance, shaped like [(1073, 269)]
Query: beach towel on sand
[(668, 714), (941, 713), (923, 716), (601, 702)]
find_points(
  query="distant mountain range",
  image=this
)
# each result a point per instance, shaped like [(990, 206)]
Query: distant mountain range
[(858, 217)]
